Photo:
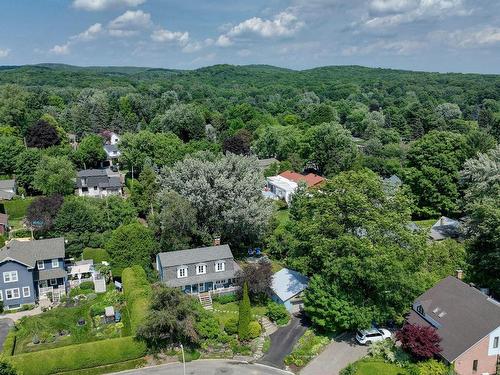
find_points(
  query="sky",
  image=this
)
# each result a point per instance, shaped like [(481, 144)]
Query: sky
[(428, 35)]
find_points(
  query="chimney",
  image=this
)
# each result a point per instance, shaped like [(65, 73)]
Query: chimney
[(460, 274), (216, 241)]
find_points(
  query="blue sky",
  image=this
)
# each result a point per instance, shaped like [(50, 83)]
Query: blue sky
[(431, 35)]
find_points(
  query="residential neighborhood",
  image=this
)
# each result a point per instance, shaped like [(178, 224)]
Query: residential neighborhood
[(245, 188)]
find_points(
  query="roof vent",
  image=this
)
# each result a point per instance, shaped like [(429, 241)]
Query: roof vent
[(436, 310), (442, 313)]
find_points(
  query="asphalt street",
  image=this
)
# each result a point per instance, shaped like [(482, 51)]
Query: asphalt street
[(208, 367)]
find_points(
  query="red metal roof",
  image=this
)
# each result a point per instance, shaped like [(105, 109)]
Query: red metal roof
[(310, 179)]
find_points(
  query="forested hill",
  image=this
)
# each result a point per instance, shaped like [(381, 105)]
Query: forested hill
[(333, 82)]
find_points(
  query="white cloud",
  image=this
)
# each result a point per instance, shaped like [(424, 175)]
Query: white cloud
[(167, 36), (131, 20), (4, 52), (469, 38), (283, 24), (61, 49), (91, 33), (401, 47), (195, 46), (95, 5), (244, 52), (388, 13)]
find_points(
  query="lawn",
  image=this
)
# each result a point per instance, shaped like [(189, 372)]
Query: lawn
[(378, 367), (226, 311), (59, 327), (97, 255), (426, 224), (282, 216), (16, 208)]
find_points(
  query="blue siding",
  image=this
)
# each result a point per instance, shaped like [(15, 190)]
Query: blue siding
[(48, 264), (25, 278)]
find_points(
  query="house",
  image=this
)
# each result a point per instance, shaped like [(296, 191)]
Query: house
[(112, 153), (8, 189), (445, 228), (4, 223), (99, 183), (32, 271), (287, 288), (205, 269), (286, 183), (111, 138), (468, 322)]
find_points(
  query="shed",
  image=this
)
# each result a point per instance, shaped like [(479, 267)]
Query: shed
[(287, 288), (109, 312)]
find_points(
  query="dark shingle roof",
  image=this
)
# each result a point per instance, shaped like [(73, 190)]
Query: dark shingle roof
[(51, 273), (98, 177), (28, 252), (92, 172), (201, 254), (7, 184), (212, 276), (462, 314)]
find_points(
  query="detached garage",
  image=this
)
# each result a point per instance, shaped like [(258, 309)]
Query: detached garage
[(287, 288)]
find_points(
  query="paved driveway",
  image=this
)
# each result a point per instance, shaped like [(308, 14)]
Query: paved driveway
[(337, 355), (5, 325), (282, 342), (208, 367)]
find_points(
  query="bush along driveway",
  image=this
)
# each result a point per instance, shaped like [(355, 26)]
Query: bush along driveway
[(283, 341)]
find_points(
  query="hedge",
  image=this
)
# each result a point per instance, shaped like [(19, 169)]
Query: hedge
[(10, 343), (98, 255), (82, 356), (137, 292)]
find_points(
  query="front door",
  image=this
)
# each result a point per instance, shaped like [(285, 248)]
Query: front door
[(201, 287)]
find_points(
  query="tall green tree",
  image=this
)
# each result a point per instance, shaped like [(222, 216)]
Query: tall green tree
[(54, 175), (353, 239), (245, 315), (90, 152), (10, 147), (131, 244), (26, 164)]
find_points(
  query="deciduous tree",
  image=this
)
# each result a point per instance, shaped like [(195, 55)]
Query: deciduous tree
[(421, 342), (54, 175)]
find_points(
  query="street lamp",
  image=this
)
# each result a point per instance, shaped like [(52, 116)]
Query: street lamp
[(183, 359)]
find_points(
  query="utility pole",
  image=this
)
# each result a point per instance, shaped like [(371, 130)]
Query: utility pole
[(183, 359)]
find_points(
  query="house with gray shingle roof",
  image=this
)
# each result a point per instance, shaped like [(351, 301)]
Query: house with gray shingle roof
[(99, 183), (30, 270), (204, 269), (468, 322)]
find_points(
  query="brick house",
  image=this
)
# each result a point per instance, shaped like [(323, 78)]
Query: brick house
[(468, 322)]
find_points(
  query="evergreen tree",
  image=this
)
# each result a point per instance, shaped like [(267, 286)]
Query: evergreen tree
[(245, 315)]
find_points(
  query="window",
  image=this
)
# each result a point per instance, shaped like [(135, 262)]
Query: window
[(495, 342), (220, 266), (26, 291), (53, 282), (10, 277), (1, 295), (182, 272), (201, 269), (12, 293), (40, 264), (474, 365), (55, 263)]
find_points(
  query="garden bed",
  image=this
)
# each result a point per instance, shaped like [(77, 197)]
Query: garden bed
[(60, 326)]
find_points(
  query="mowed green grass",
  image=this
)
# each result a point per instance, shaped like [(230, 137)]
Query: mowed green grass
[(376, 367), (224, 312), (16, 209)]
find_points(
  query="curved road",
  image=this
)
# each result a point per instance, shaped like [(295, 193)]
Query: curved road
[(208, 367)]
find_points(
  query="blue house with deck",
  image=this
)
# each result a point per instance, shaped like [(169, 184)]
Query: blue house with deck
[(31, 271)]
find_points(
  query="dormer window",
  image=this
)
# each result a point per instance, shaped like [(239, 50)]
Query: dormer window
[(220, 266), (420, 310), (40, 265), (201, 269), (182, 272)]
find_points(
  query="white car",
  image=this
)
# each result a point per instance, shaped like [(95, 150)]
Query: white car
[(368, 336)]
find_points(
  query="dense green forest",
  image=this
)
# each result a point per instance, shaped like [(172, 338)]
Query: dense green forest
[(181, 129)]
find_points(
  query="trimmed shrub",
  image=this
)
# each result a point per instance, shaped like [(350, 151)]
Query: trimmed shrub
[(254, 329), (87, 285), (231, 326), (225, 298), (432, 367), (10, 343), (277, 313), (82, 356), (97, 255), (137, 291)]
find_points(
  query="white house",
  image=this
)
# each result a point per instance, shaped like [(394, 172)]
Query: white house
[(99, 183), (112, 153), (7, 189), (286, 183)]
